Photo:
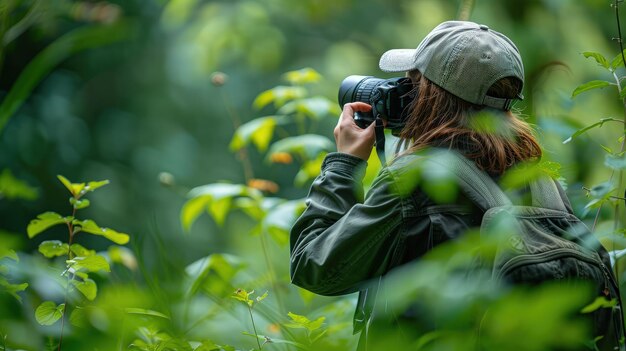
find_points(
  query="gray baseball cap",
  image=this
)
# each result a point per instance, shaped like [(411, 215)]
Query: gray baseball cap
[(464, 58)]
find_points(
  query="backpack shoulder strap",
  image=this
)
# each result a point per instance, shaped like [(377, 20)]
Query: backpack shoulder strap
[(484, 191), (476, 184), (545, 194)]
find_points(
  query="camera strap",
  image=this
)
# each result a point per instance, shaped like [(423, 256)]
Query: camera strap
[(379, 129)]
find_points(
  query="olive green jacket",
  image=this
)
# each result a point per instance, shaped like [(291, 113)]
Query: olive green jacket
[(343, 241)]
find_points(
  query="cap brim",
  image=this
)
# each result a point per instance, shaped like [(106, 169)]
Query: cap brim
[(397, 60)]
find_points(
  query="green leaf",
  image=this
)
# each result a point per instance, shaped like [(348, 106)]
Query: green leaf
[(79, 250), (12, 289), (66, 183), (617, 61), (215, 198), (10, 242), (81, 274), (79, 204), (87, 287), (74, 188), (595, 203), (302, 76), (92, 186), (80, 39), (144, 312), (520, 175), (599, 302), (192, 209), (594, 84), (45, 221), (279, 96), (280, 219), (254, 208), (601, 190), (219, 208), (93, 263), (607, 149), (615, 162), (48, 313), (315, 107), (78, 317), (309, 170), (306, 296), (259, 131), (53, 248), (214, 274), (437, 181), (307, 146), (302, 322), (13, 188), (89, 226), (79, 189), (10, 253), (122, 255), (243, 296), (487, 122), (600, 59), (589, 127)]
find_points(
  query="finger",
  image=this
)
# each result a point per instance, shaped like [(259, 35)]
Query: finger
[(358, 106), (346, 119), (347, 116)]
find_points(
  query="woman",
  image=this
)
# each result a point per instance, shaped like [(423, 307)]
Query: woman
[(462, 72)]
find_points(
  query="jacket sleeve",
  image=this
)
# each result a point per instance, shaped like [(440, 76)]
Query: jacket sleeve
[(341, 241)]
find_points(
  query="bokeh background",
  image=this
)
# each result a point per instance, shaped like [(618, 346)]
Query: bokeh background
[(147, 94)]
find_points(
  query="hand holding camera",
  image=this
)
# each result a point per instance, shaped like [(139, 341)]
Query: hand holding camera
[(350, 137)]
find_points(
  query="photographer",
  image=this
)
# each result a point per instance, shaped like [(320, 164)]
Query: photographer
[(343, 242)]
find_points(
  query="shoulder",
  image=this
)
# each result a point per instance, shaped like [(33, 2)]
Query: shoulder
[(432, 172), (406, 172)]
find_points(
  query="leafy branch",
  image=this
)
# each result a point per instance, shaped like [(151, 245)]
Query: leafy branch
[(616, 161), (80, 261)]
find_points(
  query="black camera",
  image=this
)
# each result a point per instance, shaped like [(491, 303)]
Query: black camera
[(388, 98)]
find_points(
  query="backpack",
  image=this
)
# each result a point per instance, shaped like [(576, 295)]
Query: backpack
[(548, 243)]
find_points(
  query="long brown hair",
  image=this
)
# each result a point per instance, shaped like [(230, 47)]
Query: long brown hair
[(494, 139)]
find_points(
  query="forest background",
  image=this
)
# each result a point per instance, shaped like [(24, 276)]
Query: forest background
[(209, 119)]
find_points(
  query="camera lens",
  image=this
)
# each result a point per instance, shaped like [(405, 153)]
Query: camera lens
[(359, 88)]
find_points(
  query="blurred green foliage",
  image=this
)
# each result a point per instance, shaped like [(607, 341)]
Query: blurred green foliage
[(185, 106)]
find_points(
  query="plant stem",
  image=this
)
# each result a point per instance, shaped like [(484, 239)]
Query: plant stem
[(272, 273), (611, 196), (621, 172), (243, 152), (465, 10), (254, 328), (70, 276)]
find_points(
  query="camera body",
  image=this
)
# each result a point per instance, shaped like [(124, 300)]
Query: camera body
[(388, 98)]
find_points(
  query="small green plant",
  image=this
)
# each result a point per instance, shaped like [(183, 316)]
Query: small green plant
[(313, 328), (80, 261), (609, 191), (246, 297)]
